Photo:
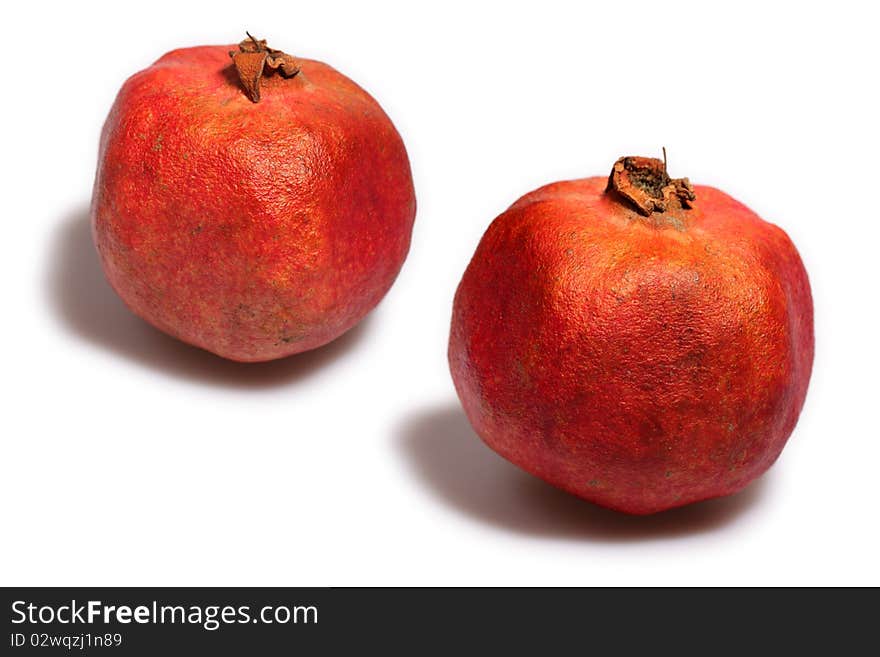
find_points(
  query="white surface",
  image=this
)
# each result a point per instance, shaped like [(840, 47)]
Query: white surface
[(128, 458)]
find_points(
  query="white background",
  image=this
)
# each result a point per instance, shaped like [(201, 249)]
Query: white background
[(128, 458)]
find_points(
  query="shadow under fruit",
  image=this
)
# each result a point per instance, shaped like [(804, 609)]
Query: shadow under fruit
[(256, 206), (637, 341)]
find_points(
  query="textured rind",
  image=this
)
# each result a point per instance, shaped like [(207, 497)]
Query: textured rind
[(252, 230), (639, 363)]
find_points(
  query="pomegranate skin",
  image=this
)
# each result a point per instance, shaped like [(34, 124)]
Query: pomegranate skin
[(641, 363), (252, 230)]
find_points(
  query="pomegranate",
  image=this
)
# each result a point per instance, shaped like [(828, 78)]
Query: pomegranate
[(255, 206), (635, 340)]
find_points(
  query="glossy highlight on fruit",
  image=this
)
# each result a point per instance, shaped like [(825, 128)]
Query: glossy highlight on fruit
[(635, 340), (248, 202)]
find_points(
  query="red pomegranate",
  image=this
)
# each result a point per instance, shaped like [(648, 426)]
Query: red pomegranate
[(257, 206), (634, 340)]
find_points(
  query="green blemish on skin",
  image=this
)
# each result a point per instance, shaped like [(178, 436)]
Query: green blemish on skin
[(522, 372), (157, 145), (593, 482), (668, 474)]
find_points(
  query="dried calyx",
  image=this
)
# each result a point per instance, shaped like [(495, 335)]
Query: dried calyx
[(644, 182), (254, 59)]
